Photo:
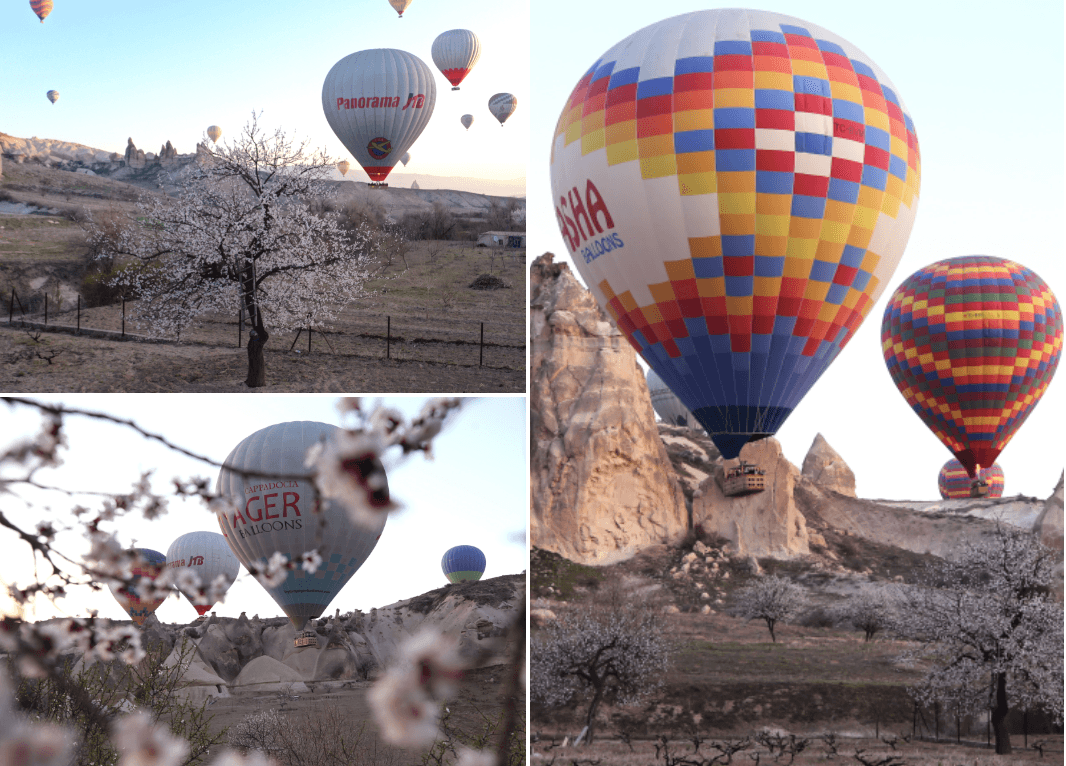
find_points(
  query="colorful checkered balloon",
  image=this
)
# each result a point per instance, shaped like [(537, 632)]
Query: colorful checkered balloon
[(148, 566), (972, 344), (954, 482), (736, 187)]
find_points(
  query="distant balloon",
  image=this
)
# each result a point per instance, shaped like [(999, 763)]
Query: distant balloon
[(53, 95), (735, 187), (502, 106), (954, 483), (405, 158), (666, 404), (467, 120), (972, 344), (273, 515), (455, 52), (214, 133), (208, 555), (463, 563), (149, 566), (378, 102), (343, 166), (400, 6), (42, 8)]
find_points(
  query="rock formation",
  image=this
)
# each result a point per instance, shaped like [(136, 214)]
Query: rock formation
[(167, 153), (601, 483), (826, 468), (134, 156), (1049, 524)]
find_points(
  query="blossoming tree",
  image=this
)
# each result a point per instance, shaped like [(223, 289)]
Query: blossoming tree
[(241, 233)]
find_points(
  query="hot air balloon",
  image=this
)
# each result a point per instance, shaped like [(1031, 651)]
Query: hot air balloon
[(955, 483), (405, 158), (42, 8), (208, 555), (467, 120), (502, 106), (273, 515), (378, 102), (400, 6), (53, 95), (343, 166), (463, 563), (214, 133), (666, 404), (455, 52), (149, 565), (972, 343), (735, 187)]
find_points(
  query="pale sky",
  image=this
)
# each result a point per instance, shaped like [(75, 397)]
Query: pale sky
[(985, 89), (473, 491), (166, 71)]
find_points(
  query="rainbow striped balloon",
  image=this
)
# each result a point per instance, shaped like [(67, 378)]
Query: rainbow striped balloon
[(42, 8), (954, 481)]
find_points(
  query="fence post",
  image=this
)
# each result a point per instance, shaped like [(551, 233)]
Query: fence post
[(46, 308), (481, 352), (308, 337), (936, 719), (79, 315), (388, 337), (240, 324), (11, 307), (123, 316)]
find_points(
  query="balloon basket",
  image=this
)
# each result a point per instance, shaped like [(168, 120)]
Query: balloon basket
[(745, 479), (306, 638), (456, 88), (979, 489)]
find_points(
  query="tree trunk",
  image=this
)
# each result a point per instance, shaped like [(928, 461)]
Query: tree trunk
[(591, 718), (256, 359), (999, 716)]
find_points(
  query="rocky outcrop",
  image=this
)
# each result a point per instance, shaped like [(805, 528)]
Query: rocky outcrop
[(1049, 524), (167, 153), (134, 156), (826, 468), (766, 523), (601, 485)]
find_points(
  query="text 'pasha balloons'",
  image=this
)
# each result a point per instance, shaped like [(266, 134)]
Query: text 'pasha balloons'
[(666, 404), (954, 482), (42, 8), (455, 52), (214, 133), (209, 556), (149, 566), (378, 102), (502, 106), (467, 120), (275, 515), (972, 343), (400, 6), (735, 187), (463, 563), (53, 95)]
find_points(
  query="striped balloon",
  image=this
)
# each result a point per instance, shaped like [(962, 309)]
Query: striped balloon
[(399, 6), (148, 567), (972, 343), (954, 482), (53, 95), (214, 132), (502, 106), (42, 8), (463, 563), (455, 52), (208, 555)]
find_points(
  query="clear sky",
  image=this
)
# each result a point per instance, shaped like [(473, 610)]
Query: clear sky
[(984, 86), (165, 71), (473, 491)]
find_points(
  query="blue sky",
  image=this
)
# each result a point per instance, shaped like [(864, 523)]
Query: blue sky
[(984, 84), (165, 71), (473, 491)]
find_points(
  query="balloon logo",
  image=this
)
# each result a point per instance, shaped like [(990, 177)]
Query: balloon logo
[(208, 555), (463, 563), (736, 187), (379, 148), (954, 482), (455, 52), (149, 566), (42, 8), (666, 404), (502, 106), (53, 95), (271, 516), (972, 343)]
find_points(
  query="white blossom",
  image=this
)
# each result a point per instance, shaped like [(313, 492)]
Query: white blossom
[(471, 757), (234, 758), (771, 599), (348, 470), (142, 742), (312, 560)]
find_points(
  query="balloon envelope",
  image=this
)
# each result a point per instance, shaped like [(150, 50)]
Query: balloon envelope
[(455, 52), (42, 8), (214, 133), (378, 102), (467, 120), (343, 166), (400, 6), (149, 567), (666, 404), (735, 187), (405, 158), (463, 563), (273, 515), (53, 95), (502, 106), (209, 556), (972, 343), (954, 482)]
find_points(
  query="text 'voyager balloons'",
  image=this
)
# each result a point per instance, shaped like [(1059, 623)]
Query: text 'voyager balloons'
[(666, 404), (149, 566), (736, 187), (42, 8), (378, 102), (455, 52), (954, 482), (53, 95), (972, 343), (463, 563), (502, 106), (209, 556), (275, 515)]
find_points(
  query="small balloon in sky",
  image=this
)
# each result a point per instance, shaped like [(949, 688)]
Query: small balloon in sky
[(208, 555), (343, 166), (502, 106), (214, 133), (148, 566), (455, 52), (467, 120), (42, 8), (53, 95), (463, 563), (405, 158), (400, 6)]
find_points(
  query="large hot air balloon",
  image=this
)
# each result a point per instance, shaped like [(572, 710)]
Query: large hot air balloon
[(467, 120), (208, 555), (53, 95), (214, 133), (955, 483), (343, 166), (972, 343), (736, 187), (502, 106), (42, 8), (273, 515), (378, 102), (149, 566), (455, 52), (666, 404), (400, 6), (463, 563)]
